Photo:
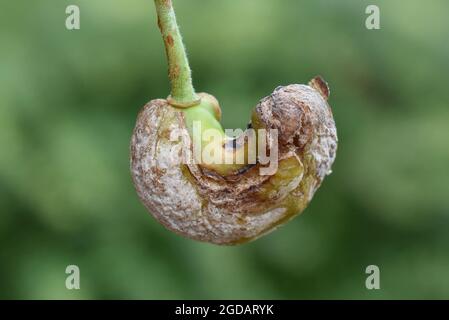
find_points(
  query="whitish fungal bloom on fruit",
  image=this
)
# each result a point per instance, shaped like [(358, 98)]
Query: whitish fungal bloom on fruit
[(228, 203)]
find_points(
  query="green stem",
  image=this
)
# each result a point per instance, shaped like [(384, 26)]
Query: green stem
[(182, 91)]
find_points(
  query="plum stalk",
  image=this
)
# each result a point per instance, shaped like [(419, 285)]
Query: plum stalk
[(182, 91)]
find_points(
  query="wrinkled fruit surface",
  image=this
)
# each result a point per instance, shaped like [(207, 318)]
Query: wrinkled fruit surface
[(202, 205)]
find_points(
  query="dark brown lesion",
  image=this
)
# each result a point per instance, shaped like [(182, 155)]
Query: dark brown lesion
[(169, 41)]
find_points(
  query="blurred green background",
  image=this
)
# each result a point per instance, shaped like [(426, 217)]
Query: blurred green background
[(69, 100)]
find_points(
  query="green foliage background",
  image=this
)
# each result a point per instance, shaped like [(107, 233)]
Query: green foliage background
[(69, 99)]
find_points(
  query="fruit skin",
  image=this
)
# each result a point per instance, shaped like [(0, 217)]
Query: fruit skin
[(203, 205)]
